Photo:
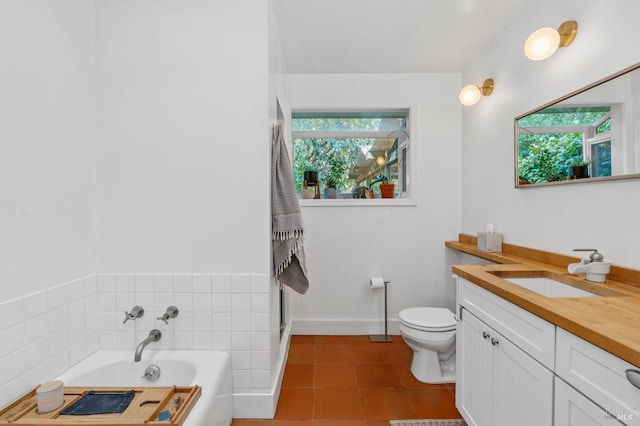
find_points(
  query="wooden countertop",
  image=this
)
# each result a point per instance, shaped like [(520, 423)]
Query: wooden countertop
[(610, 320)]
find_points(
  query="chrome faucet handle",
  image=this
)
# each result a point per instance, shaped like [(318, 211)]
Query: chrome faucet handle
[(152, 373), (136, 312), (172, 312), (595, 256)]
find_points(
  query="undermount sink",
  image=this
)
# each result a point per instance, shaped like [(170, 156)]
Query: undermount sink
[(550, 288)]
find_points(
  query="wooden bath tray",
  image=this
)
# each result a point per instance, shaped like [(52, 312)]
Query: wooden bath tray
[(145, 407)]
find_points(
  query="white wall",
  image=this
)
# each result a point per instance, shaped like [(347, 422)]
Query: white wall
[(183, 136), (47, 146), (136, 141), (405, 244), (185, 103), (558, 218)]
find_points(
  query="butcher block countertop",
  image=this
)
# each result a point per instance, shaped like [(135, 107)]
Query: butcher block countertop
[(610, 320)]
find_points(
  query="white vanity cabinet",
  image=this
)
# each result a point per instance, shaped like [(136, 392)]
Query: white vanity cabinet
[(598, 377), (498, 380)]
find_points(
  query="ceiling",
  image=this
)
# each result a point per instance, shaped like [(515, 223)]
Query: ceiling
[(390, 36)]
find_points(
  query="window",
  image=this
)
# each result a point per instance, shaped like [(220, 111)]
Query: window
[(351, 151), (601, 158), (600, 147)]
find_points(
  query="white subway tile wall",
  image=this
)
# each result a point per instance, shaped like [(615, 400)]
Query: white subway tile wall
[(44, 333)]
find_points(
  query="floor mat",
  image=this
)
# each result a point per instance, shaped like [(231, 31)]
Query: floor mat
[(436, 422)]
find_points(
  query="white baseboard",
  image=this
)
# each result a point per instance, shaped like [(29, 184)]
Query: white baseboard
[(344, 327), (254, 405)]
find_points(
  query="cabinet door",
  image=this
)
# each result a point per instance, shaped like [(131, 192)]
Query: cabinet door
[(474, 357), (523, 388), (574, 409), (529, 332)]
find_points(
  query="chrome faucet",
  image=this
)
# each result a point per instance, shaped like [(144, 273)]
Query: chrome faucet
[(154, 336)]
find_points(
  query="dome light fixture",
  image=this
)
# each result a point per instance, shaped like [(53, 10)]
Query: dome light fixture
[(544, 42), (471, 94)]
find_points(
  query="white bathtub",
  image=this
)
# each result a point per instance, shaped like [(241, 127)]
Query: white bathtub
[(211, 370)]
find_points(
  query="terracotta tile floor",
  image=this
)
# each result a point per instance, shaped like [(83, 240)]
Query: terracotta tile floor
[(349, 381)]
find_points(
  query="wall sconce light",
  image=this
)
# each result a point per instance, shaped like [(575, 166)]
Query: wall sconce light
[(544, 42), (471, 94)]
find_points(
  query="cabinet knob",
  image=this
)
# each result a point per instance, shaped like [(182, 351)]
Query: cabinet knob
[(485, 335), (494, 342), (633, 376)]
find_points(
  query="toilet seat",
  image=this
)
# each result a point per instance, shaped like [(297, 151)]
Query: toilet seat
[(428, 319)]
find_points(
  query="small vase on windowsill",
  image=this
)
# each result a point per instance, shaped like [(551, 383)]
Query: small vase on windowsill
[(330, 193), (309, 192)]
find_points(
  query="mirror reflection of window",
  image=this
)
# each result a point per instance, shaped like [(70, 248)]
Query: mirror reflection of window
[(553, 140), (595, 128), (601, 159)]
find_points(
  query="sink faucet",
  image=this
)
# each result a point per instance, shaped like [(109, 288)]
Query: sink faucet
[(594, 266), (154, 336)]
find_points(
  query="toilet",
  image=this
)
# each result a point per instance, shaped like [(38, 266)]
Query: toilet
[(431, 334)]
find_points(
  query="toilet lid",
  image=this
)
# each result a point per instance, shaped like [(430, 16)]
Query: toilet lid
[(428, 318)]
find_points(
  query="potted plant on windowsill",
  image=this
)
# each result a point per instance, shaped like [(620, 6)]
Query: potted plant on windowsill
[(337, 167), (579, 170), (330, 188), (386, 188)]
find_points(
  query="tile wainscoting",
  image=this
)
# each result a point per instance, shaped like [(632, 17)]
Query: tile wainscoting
[(44, 333)]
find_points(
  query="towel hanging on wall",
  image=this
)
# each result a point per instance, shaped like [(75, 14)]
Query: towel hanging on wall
[(287, 230)]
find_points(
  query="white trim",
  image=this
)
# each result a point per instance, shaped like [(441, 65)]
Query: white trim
[(554, 129), (359, 202), (254, 405), (349, 134), (356, 327)]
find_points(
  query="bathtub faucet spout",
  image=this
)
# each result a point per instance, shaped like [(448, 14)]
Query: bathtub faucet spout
[(154, 336)]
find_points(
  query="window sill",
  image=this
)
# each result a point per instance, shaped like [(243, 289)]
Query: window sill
[(358, 202)]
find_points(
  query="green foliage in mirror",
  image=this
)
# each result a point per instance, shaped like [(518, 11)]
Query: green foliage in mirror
[(544, 155), (546, 158)]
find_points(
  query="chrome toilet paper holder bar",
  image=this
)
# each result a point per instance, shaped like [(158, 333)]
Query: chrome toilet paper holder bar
[(383, 338)]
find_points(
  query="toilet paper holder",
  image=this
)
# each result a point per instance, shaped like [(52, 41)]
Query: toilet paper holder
[(382, 338)]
